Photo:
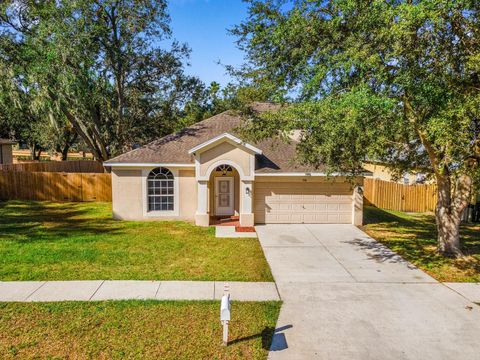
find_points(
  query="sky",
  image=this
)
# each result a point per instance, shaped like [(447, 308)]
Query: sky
[(203, 25)]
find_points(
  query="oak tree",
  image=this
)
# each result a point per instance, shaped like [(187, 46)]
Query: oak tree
[(391, 80)]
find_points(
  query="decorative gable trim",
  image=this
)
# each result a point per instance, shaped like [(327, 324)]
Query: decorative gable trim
[(222, 137)]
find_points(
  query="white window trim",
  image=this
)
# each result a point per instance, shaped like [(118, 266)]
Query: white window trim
[(176, 196)]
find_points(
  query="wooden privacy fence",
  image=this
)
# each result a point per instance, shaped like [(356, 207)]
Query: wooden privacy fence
[(393, 196), (53, 186), (74, 166)]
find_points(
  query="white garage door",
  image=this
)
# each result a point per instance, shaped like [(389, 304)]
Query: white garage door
[(303, 202)]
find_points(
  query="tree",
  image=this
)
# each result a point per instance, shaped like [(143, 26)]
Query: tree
[(208, 102), (101, 64), (396, 81), (18, 119)]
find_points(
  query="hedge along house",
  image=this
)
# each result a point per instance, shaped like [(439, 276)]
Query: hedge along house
[(206, 171)]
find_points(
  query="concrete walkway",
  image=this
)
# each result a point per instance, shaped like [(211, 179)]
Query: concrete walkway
[(470, 291), (230, 232), (131, 289), (348, 297)]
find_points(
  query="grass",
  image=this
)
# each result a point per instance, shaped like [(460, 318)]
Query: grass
[(134, 330), (414, 237), (81, 241)]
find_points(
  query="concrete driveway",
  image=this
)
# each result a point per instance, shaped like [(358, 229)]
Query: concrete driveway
[(348, 297)]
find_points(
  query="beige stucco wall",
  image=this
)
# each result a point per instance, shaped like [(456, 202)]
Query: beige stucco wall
[(188, 194), (378, 171), (127, 194), (228, 152), (382, 172), (6, 157), (129, 201)]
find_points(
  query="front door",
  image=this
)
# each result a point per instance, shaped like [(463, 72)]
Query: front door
[(224, 197)]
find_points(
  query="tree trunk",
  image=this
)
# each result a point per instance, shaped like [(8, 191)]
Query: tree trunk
[(448, 214), (69, 141), (65, 152), (86, 131), (448, 228), (33, 151)]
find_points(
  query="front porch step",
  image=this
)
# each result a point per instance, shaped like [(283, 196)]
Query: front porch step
[(225, 220), (230, 218), (230, 232), (245, 229)]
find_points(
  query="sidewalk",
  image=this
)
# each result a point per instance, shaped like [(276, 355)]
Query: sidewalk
[(93, 290), (470, 291)]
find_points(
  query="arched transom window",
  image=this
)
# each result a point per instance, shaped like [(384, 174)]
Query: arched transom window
[(160, 183), (224, 169)]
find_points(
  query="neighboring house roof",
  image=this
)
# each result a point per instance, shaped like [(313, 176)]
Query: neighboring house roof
[(7, 142), (276, 156)]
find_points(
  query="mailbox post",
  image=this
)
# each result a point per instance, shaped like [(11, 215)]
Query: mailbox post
[(225, 312)]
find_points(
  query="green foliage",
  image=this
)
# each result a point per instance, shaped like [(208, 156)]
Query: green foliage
[(339, 132), (402, 75), (104, 67), (209, 101), (390, 81)]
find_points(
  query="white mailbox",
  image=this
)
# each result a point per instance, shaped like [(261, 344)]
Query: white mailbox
[(225, 308)]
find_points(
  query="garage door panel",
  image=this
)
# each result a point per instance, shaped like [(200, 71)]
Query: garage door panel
[(296, 202), (281, 206), (309, 207), (332, 207), (283, 218), (321, 208), (321, 219), (313, 218), (347, 207), (345, 218), (297, 207)]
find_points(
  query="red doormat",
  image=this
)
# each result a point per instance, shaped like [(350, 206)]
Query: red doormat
[(244, 229)]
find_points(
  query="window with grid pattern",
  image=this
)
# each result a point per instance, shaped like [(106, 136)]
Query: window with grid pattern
[(160, 190)]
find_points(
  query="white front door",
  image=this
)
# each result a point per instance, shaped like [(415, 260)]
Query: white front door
[(224, 197)]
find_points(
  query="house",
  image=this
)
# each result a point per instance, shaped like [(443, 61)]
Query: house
[(6, 157), (382, 172), (207, 171)]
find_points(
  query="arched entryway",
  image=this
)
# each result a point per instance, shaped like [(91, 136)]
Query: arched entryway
[(224, 191), (224, 195)]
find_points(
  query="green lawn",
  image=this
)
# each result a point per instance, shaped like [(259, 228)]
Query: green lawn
[(413, 236), (134, 330), (67, 241)]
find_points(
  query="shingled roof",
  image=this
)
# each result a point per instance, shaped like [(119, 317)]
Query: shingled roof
[(277, 156)]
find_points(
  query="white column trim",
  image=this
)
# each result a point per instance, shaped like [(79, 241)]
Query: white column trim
[(246, 200), (202, 197)]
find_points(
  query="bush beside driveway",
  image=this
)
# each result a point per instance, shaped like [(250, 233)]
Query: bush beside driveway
[(81, 241)]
